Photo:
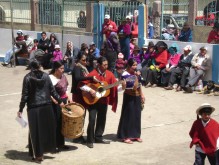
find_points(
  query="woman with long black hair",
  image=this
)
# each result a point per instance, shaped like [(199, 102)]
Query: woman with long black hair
[(60, 84), (36, 92), (129, 129)]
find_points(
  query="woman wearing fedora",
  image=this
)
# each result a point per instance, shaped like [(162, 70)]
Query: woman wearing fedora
[(137, 56), (204, 134)]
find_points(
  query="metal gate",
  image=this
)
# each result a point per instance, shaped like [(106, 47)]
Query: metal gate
[(174, 12), (118, 10)]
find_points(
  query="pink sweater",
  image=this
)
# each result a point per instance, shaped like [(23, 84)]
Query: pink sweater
[(57, 55), (174, 59)]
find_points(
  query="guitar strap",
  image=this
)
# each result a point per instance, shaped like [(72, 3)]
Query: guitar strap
[(101, 74)]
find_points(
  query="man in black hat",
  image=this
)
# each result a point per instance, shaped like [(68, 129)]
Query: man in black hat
[(205, 136)]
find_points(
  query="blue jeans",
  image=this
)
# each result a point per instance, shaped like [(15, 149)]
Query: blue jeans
[(9, 54), (200, 159), (125, 47)]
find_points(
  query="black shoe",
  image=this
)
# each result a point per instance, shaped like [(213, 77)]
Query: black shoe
[(101, 140), (90, 145), (187, 89), (79, 140)]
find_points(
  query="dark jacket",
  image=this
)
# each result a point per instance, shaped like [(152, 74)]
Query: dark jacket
[(185, 36), (185, 63), (111, 44), (37, 90), (78, 75), (44, 44)]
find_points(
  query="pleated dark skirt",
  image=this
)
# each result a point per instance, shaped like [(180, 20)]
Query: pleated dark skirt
[(42, 126), (60, 140), (130, 120)]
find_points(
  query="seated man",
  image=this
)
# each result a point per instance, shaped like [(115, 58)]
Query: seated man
[(182, 70), (26, 47), (200, 64), (17, 47), (168, 34), (94, 50)]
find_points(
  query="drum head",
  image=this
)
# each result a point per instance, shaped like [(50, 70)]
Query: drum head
[(77, 110)]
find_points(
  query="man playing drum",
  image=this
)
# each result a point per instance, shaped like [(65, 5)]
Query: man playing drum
[(98, 110)]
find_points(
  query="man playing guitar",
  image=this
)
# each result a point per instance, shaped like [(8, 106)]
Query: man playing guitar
[(98, 110)]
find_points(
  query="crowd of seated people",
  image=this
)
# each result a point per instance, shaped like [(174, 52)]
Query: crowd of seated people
[(159, 64), (165, 66), (23, 44)]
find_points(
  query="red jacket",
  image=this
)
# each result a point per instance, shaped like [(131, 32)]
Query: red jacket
[(109, 27), (162, 59), (206, 136), (213, 36), (112, 99)]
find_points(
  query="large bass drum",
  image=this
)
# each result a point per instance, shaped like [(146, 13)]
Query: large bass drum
[(72, 120)]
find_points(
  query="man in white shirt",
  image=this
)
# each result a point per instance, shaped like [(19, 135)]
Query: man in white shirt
[(200, 64)]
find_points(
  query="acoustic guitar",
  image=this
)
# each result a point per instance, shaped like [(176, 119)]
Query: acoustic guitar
[(102, 90)]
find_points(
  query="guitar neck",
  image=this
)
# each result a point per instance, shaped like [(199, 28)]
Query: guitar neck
[(112, 85)]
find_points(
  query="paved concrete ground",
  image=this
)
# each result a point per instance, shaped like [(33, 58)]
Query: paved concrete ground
[(166, 121)]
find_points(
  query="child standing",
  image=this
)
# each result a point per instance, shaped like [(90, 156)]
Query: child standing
[(120, 66), (57, 54), (204, 134)]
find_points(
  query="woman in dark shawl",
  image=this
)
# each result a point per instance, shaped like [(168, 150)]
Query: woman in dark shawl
[(36, 92)]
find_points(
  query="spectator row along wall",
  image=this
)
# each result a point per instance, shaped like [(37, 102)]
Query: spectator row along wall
[(213, 50)]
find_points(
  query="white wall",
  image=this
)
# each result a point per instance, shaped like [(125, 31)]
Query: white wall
[(6, 39)]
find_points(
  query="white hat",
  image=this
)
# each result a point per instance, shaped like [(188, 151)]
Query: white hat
[(187, 47), (128, 17), (19, 32), (92, 43), (120, 55), (164, 30), (57, 47), (203, 47), (145, 46), (205, 105), (170, 26), (107, 16)]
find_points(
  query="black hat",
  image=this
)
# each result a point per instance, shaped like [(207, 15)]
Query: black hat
[(150, 44), (161, 44)]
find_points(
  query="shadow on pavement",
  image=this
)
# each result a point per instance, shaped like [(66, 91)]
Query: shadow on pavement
[(112, 137), (18, 155), (70, 148)]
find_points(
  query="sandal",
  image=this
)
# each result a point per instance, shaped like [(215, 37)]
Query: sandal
[(139, 140), (128, 141)]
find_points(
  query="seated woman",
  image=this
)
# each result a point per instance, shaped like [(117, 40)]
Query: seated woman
[(137, 56), (159, 61), (147, 56), (172, 63)]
